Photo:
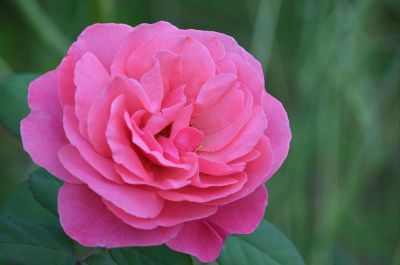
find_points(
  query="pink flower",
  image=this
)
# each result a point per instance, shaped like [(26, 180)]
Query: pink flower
[(161, 135)]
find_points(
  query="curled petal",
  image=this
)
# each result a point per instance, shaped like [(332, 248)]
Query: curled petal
[(96, 226), (207, 244), (102, 164), (244, 142), (201, 195), (141, 34), (174, 213), (127, 197), (278, 130), (92, 39), (42, 130), (119, 141), (91, 79), (244, 215), (188, 139), (257, 170)]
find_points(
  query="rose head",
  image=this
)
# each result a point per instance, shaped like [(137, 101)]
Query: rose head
[(161, 135)]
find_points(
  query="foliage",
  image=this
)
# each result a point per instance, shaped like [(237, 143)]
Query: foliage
[(29, 234)]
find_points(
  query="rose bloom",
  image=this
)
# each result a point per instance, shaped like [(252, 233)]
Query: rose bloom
[(161, 135)]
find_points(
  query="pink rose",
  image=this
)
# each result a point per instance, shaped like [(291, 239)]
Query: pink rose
[(161, 135)]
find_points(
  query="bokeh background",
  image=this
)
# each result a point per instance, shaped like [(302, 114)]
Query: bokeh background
[(333, 63)]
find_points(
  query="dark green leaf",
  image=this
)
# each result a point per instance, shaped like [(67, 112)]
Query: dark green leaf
[(99, 259), (13, 100), (30, 243), (44, 187), (160, 255), (21, 204), (266, 246), (198, 262)]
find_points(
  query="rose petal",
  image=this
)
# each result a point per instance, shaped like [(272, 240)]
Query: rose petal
[(152, 84), (42, 130), (85, 218), (92, 39), (127, 197), (213, 90), (102, 164), (91, 79), (99, 113), (139, 139), (209, 40), (244, 215), (198, 66), (188, 139), (171, 69), (141, 34), (209, 180), (169, 149), (217, 116), (217, 140), (278, 130), (257, 170), (174, 213), (162, 181), (201, 195), (212, 167), (174, 104), (231, 45), (141, 60), (182, 120), (245, 141), (200, 239), (119, 140), (248, 76)]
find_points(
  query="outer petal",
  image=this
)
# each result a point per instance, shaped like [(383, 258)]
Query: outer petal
[(141, 34), (209, 40), (200, 239), (257, 170), (248, 76), (129, 198), (244, 215), (86, 219), (278, 130), (42, 131), (103, 40), (173, 214), (231, 45)]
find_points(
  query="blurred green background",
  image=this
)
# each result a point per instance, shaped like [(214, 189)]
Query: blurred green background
[(335, 65)]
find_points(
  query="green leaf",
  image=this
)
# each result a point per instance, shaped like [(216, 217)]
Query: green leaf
[(160, 255), (13, 100), (20, 204), (266, 246), (44, 187), (30, 243), (198, 262), (99, 259)]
